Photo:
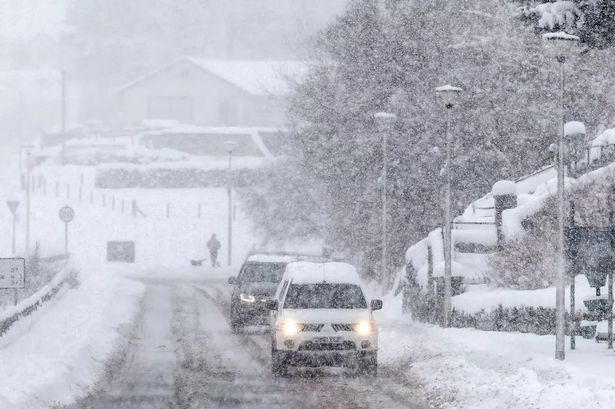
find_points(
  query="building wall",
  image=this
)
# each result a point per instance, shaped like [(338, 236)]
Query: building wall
[(191, 95)]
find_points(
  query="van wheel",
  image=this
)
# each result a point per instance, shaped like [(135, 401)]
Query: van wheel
[(368, 364), (278, 365)]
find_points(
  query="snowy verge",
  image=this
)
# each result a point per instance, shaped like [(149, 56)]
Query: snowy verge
[(12, 314), (471, 369), (58, 353)]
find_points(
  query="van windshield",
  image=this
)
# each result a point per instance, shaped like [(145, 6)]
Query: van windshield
[(255, 272), (329, 296)]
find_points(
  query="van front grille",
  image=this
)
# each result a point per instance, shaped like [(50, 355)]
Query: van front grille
[(341, 327), (312, 327)]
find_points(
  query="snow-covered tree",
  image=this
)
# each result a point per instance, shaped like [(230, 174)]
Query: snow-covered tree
[(592, 20), (390, 56)]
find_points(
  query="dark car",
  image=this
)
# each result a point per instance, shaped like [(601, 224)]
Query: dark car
[(256, 285)]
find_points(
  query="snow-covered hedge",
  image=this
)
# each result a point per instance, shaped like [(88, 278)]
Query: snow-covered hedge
[(187, 177), (12, 314)]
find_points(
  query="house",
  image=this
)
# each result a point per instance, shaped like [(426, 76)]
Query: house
[(211, 93)]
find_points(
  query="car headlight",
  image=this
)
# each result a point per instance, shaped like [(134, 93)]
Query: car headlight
[(247, 297), (363, 328), (290, 328)]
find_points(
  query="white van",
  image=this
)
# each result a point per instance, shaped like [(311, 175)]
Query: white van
[(320, 317)]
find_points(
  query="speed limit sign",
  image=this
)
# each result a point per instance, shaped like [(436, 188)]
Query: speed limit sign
[(67, 214)]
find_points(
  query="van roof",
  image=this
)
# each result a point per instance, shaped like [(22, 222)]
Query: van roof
[(303, 272), (281, 257)]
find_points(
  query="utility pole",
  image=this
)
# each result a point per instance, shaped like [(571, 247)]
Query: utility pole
[(28, 166), (384, 122), (63, 113), (230, 147)]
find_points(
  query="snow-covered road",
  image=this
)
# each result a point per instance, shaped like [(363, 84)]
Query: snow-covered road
[(181, 354)]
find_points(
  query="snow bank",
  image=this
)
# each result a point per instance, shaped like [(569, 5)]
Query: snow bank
[(55, 354), (471, 369)]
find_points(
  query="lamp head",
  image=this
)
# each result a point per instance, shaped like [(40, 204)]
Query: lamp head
[(449, 95), (385, 120), (561, 44)]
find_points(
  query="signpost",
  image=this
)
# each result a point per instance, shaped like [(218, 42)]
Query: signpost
[(12, 273), (13, 205), (66, 214)]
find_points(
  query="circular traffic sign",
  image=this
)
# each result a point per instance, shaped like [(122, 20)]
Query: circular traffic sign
[(67, 214)]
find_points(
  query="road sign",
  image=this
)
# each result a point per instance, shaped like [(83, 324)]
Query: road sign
[(12, 273), (13, 204), (67, 214)]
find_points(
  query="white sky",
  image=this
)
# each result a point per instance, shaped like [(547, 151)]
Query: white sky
[(21, 20)]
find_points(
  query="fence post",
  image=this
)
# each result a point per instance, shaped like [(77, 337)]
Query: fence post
[(199, 211), (504, 197), (168, 210)]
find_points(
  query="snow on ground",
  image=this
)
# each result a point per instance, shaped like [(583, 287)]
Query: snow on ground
[(472, 369), (61, 349)]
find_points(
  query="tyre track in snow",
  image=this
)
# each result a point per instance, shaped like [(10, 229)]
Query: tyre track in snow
[(392, 387), (181, 354)]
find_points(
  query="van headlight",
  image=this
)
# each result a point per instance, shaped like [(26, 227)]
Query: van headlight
[(247, 297), (363, 328), (290, 328)]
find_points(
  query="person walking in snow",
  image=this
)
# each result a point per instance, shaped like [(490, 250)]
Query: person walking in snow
[(214, 246)]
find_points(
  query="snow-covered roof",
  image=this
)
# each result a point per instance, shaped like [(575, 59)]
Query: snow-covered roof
[(256, 77), (303, 272)]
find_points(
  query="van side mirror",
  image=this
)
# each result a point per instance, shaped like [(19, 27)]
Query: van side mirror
[(272, 305), (232, 280), (375, 305)]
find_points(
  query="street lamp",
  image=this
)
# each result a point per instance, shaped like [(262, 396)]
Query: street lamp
[(384, 122), (230, 147), (562, 46), (448, 95)]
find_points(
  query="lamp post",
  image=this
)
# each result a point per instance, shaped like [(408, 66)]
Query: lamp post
[(384, 122), (230, 147), (562, 46), (28, 150), (448, 96), (574, 139)]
